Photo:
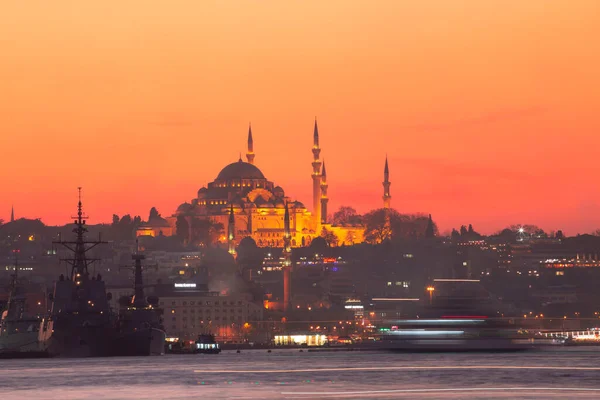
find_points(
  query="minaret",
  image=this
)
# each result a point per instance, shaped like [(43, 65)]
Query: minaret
[(12, 214), (231, 232), (316, 175), (287, 262), (387, 198), (324, 198), (250, 154)]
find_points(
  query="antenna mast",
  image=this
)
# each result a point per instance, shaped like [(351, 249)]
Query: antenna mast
[(79, 262)]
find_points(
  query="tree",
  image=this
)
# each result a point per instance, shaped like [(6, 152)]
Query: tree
[(344, 215), (115, 220), (204, 232), (430, 230), (182, 229), (529, 229), (216, 230), (455, 235), (318, 245), (126, 221), (507, 236), (329, 236), (199, 232), (350, 238), (154, 214), (376, 228)]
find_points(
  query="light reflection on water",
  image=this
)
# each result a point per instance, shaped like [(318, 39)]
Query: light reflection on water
[(365, 375)]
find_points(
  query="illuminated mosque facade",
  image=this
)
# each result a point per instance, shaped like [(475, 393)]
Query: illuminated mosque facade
[(249, 205)]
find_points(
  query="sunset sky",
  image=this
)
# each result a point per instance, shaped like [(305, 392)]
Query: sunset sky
[(489, 111)]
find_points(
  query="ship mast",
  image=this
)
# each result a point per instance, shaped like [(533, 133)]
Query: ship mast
[(14, 309), (139, 300), (79, 262)]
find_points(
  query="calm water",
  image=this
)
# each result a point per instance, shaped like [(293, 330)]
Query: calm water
[(286, 374)]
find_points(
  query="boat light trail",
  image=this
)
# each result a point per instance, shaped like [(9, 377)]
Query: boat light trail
[(468, 389), (401, 368), (393, 299)]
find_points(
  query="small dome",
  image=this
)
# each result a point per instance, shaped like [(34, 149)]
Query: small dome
[(158, 222), (298, 204), (240, 170), (185, 207), (202, 193), (278, 191), (260, 201), (279, 203)]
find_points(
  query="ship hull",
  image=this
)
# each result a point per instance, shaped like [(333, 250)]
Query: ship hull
[(142, 342), (22, 342), (78, 342)]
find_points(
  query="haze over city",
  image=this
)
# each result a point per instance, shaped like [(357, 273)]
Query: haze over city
[(487, 111)]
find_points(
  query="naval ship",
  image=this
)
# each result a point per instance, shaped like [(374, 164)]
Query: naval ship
[(80, 323), (139, 328), (18, 332)]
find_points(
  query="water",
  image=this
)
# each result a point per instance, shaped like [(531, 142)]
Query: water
[(289, 374)]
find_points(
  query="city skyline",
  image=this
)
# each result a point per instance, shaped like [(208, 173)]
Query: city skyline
[(484, 120)]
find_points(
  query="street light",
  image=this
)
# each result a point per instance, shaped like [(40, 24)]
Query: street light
[(430, 289)]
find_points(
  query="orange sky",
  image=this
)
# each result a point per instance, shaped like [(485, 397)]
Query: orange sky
[(488, 110)]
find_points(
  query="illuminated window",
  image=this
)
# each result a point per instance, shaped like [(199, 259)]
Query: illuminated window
[(560, 273)]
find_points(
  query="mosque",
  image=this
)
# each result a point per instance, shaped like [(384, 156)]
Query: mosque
[(249, 205)]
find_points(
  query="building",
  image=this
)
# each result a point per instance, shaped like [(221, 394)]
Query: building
[(189, 310), (258, 206)]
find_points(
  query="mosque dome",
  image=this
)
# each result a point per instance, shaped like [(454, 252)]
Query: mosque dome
[(202, 192), (278, 191), (240, 170), (185, 207)]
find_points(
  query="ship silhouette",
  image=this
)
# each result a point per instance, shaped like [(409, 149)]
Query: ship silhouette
[(139, 328), (80, 323), (18, 331)]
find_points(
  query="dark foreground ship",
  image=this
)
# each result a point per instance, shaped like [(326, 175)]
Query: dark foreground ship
[(139, 328), (80, 323), (18, 332)]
